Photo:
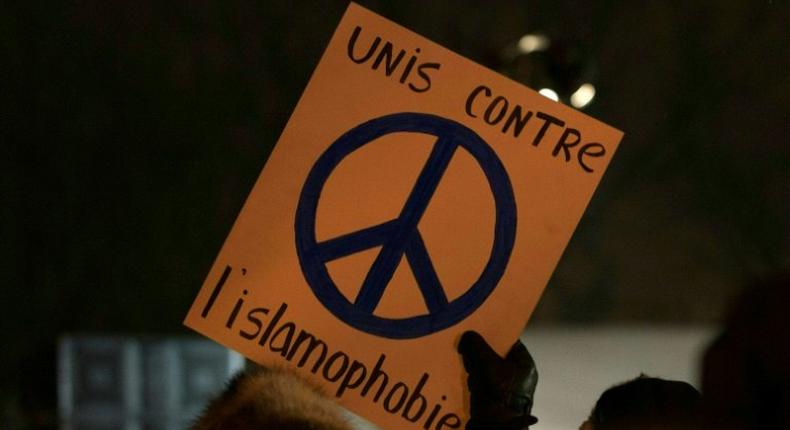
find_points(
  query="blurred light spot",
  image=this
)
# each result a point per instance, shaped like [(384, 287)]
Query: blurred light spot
[(533, 43), (549, 93), (583, 96)]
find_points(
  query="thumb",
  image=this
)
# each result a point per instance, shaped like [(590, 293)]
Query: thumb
[(476, 352), (519, 355)]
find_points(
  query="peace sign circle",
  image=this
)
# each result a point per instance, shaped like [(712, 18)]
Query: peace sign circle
[(400, 237)]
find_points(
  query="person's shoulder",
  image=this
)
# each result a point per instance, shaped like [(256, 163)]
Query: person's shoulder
[(271, 398)]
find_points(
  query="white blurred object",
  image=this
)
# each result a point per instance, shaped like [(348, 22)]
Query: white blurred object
[(148, 384), (549, 93), (576, 364), (583, 96), (530, 43), (132, 383)]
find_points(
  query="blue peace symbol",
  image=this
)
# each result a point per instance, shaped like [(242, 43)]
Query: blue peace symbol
[(401, 236)]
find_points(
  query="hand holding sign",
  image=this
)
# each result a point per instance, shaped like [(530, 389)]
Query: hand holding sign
[(502, 389)]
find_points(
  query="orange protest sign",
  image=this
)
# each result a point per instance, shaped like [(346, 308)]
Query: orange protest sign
[(412, 196)]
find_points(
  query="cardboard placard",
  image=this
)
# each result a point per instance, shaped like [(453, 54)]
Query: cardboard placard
[(412, 196)]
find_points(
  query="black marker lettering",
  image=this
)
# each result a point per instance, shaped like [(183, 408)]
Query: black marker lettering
[(564, 143), (288, 328), (258, 323), (216, 291), (313, 344), (408, 67), (425, 76), (399, 386), (357, 370), (491, 119), (470, 100), (272, 324), (386, 54), (433, 414), (520, 121), (590, 150), (343, 366), (408, 412), (450, 421), (353, 41), (350, 375), (548, 121), (236, 309), (374, 376)]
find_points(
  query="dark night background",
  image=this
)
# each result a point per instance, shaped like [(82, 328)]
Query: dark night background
[(133, 131)]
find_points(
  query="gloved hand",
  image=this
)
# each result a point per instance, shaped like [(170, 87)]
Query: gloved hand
[(501, 389)]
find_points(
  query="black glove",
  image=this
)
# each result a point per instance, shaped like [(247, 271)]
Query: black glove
[(501, 389)]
